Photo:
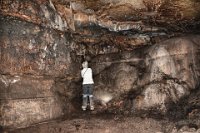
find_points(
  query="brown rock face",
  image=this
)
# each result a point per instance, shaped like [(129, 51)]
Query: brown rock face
[(30, 49), (161, 74), (32, 58), (172, 72), (144, 55), (28, 100)]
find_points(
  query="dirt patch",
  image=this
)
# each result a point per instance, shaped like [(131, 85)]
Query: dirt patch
[(99, 123)]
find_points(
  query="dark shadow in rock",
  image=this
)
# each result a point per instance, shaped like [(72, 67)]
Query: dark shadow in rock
[(77, 95), (1, 129), (176, 111)]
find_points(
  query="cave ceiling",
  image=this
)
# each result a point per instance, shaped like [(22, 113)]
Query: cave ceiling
[(126, 24)]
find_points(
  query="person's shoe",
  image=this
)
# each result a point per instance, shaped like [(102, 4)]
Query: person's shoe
[(92, 108), (83, 108)]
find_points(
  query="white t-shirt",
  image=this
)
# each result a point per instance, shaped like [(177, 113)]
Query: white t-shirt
[(86, 74)]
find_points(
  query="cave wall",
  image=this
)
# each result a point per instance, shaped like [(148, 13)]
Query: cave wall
[(32, 58), (31, 49), (151, 77), (42, 44)]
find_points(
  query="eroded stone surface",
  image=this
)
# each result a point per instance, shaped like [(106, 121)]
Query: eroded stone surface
[(28, 100), (32, 57), (30, 49), (161, 74), (135, 70)]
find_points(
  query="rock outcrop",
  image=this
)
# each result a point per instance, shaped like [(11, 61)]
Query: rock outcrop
[(32, 58), (153, 77), (144, 55)]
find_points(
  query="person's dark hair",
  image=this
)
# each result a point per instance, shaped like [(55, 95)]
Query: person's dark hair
[(85, 64)]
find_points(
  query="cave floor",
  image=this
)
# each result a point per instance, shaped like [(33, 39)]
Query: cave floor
[(91, 122), (104, 122)]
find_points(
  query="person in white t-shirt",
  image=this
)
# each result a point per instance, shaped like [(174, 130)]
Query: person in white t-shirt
[(88, 84)]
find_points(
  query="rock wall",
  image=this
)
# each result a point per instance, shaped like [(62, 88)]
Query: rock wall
[(32, 58), (30, 49), (27, 100), (172, 72), (151, 77), (42, 44)]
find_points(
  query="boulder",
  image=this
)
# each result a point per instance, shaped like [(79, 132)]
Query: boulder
[(153, 77)]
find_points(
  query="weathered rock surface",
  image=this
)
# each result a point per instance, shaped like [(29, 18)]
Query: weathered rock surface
[(153, 77), (152, 20), (137, 66), (172, 73), (27, 100), (27, 48), (88, 122), (32, 57)]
